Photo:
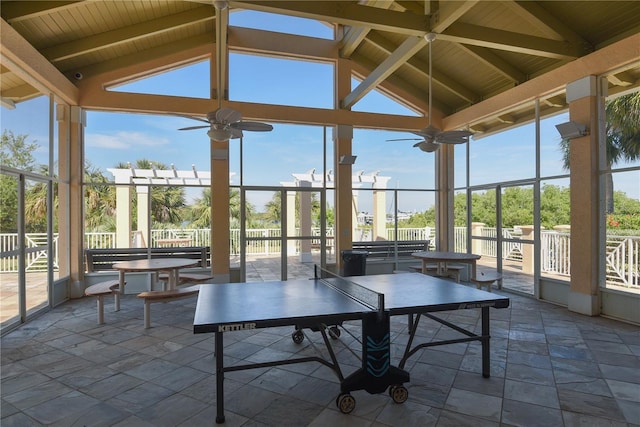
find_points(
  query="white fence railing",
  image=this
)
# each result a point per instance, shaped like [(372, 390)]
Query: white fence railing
[(622, 252)]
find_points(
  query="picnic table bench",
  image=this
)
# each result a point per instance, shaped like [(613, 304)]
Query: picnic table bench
[(102, 259), (386, 249)]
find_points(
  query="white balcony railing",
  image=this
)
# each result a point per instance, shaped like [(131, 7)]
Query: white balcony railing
[(622, 252)]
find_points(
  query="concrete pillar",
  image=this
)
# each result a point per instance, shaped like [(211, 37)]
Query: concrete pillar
[(123, 216), (586, 106), (476, 230), (528, 249), (379, 215), (305, 223), (144, 206), (291, 222)]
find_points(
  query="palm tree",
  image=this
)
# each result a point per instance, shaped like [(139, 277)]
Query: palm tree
[(167, 203), (36, 204), (623, 137), (200, 213), (99, 201), (273, 207)]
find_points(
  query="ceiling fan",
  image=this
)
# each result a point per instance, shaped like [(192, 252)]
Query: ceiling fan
[(224, 123), (432, 137), (227, 123)]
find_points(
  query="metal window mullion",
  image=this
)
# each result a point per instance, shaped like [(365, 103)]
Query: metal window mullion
[(22, 277)]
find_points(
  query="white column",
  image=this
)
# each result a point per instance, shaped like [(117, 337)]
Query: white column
[(291, 222), (380, 208), (305, 223), (143, 212), (123, 216), (354, 212)]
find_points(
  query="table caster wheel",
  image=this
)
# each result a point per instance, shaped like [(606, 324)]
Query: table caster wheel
[(334, 332), (399, 393), (297, 336), (346, 403)]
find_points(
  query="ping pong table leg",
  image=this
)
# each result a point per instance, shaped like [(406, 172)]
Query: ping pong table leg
[(486, 352), (219, 378)]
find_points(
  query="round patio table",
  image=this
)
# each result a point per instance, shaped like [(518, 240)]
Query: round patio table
[(171, 265)]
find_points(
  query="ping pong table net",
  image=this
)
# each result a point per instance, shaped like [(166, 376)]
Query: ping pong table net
[(363, 295)]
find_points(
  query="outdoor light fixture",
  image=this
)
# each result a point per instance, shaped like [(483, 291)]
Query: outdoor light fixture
[(219, 135), (572, 130), (220, 4), (347, 160)]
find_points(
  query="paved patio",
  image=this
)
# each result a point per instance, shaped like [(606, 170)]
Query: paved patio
[(550, 367)]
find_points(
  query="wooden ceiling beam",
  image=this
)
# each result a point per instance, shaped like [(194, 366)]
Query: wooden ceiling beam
[(221, 92), (21, 93), (143, 64), (127, 34), (345, 13), (498, 64), (448, 12), (95, 98), (353, 36), (406, 50), (601, 62), (23, 59), (492, 38), (535, 14), (16, 11), (422, 67), (272, 43)]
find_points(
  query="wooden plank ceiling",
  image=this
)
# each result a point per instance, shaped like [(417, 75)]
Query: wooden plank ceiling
[(482, 49)]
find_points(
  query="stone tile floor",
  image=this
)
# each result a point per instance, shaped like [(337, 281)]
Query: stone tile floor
[(549, 367)]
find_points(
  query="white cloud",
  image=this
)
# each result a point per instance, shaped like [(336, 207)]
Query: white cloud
[(124, 140)]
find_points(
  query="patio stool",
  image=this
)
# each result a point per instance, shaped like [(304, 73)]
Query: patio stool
[(418, 268), (164, 296), (486, 279), (185, 278), (452, 271), (101, 289)]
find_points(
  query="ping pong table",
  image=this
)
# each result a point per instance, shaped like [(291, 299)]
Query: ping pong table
[(326, 302)]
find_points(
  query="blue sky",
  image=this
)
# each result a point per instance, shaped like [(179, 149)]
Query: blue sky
[(271, 158)]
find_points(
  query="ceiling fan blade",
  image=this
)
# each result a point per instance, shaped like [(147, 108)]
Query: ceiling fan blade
[(252, 126), (405, 139), (227, 115), (450, 140), (193, 118), (458, 133), (194, 127), (453, 137)]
